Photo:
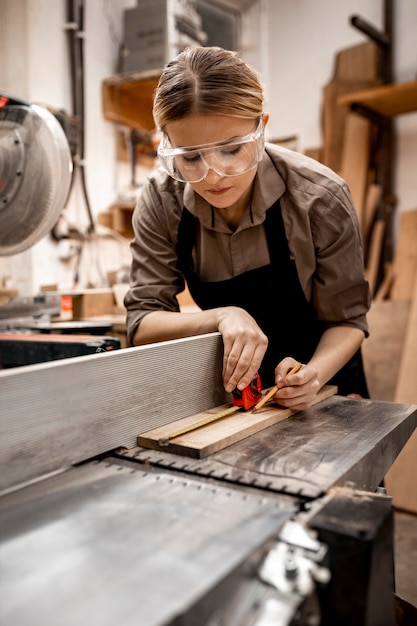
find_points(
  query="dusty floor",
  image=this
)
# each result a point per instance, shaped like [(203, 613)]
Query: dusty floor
[(405, 556)]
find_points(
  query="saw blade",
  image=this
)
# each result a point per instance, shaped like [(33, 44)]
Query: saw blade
[(164, 441)]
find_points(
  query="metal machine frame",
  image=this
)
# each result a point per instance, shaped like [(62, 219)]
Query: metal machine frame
[(286, 527)]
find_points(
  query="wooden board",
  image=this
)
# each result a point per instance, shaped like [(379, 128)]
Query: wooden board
[(373, 197), (203, 441), (355, 159), (356, 69), (374, 254), (334, 119), (406, 257), (383, 348)]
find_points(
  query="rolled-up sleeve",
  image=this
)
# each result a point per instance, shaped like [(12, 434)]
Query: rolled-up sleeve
[(155, 279)]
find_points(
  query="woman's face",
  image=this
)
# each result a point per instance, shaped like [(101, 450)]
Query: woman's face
[(217, 189)]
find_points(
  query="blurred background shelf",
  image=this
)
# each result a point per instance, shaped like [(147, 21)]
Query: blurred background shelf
[(387, 100), (127, 99)]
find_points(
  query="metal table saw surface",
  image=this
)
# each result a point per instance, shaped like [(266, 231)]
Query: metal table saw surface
[(151, 538)]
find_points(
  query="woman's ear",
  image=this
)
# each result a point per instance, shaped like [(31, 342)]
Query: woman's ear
[(265, 118)]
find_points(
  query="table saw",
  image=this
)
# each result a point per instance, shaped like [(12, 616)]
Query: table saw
[(288, 526)]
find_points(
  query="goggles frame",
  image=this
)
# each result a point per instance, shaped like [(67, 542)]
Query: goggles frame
[(167, 154)]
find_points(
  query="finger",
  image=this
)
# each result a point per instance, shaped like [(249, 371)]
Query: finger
[(241, 372), (298, 403), (284, 367), (255, 364), (296, 396), (294, 377)]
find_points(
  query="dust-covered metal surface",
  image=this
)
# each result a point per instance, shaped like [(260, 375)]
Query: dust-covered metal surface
[(59, 413), (110, 544), (338, 440)]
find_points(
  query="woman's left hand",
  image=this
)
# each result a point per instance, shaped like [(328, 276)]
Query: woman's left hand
[(298, 390)]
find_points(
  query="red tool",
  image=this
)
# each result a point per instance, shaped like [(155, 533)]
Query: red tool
[(250, 395)]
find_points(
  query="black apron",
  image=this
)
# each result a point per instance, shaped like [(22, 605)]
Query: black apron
[(273, 296)]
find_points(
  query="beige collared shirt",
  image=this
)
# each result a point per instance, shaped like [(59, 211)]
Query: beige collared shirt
[(320, 223)]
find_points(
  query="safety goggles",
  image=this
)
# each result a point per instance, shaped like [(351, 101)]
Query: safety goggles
[(227, 158)]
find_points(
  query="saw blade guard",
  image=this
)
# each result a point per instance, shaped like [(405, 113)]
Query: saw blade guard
[(35, 175)]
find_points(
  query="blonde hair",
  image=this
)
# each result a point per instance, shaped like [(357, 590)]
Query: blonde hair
[(207, 81)]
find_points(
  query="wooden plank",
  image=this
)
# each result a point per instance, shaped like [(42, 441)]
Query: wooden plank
[(356, 69), (401, 479), (405, 257), (355, 159), (359, 62), (406, 390), (334, 120), (218, 435), (374, 253), (382, 350), (373, 196)]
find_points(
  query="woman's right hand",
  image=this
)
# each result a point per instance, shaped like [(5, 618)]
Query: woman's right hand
[(245, 345)]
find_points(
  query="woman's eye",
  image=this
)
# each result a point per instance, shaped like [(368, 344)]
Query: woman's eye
[(191, 158), (231, 151)]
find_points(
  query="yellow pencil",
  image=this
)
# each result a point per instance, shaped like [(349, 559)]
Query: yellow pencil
[(273, 391)]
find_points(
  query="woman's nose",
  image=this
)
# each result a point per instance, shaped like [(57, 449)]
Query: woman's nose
[(212, 175)]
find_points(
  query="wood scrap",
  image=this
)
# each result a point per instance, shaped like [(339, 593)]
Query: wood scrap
[(374, 254), (372, 199), (406, 257), (218, 435)]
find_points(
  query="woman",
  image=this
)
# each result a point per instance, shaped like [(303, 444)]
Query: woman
[(266, 239)]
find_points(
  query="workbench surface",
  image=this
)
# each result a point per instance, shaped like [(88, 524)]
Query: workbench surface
[(340, 439)]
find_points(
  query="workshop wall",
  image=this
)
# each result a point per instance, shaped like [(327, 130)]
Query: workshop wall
[(297, 45), (302, 38)]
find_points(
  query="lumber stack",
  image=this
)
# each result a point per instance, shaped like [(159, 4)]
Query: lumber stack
[(348, 144), (357, 144)]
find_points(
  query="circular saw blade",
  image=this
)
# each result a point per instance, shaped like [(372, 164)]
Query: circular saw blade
[(35, 175)]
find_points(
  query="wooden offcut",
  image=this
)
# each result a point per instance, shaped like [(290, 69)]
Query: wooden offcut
[(220, 434)]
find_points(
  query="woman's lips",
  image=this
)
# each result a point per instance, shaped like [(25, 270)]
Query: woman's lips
[(218, 192)]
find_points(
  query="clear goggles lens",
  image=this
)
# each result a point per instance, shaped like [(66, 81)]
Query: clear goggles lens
[(228, 158)]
